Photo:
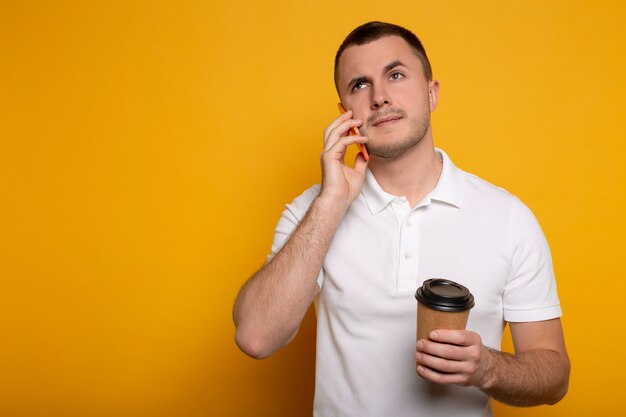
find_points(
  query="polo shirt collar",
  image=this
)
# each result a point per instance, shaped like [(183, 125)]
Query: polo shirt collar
[(451, 184), (449, 188)]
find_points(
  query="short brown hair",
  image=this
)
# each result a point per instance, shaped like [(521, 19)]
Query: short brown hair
[(375, 30)]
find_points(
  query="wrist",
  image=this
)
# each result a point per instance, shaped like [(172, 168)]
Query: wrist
[(332, 203), (488, 376)]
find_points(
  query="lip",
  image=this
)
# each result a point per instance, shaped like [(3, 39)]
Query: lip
[(386, 120)]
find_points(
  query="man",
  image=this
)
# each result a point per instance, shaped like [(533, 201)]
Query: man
[(360, 244)]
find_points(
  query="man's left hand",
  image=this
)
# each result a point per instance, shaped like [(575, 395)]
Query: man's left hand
[(453, 357)]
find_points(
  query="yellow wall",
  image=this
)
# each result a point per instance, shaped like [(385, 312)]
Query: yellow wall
[(148, 148)]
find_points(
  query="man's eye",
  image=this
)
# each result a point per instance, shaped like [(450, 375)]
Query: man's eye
[(358, 86), (396, 76)]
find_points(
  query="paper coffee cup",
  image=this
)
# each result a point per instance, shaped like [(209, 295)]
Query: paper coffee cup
[(442, 304)]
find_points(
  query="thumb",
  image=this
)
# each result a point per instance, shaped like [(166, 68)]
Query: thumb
[(360, 164)]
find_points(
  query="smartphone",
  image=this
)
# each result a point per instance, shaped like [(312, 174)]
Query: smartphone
[(355, 131)]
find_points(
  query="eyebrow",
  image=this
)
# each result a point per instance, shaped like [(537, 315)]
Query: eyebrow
[(364, 79), (391, 66)]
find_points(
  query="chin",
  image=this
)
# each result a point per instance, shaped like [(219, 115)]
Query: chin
[(392, 150), (393, 146)]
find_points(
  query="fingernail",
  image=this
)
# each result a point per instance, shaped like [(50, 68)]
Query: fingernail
[(418, 356), (434, 335), (420, 345)]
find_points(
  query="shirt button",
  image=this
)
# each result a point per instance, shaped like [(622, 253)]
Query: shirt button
[(408, 255)]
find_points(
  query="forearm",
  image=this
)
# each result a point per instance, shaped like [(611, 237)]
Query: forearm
[(530, 378), (271, 305)]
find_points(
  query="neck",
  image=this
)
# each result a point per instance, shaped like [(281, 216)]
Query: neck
[(413, 174)]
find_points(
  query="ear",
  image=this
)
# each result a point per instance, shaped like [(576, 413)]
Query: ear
[(433, 94)]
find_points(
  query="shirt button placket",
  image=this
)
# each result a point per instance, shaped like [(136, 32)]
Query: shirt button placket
[(408, 262)]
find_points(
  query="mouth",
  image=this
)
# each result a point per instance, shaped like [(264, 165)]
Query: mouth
[(386, 120)]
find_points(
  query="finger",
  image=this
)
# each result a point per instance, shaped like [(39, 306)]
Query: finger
[(334, 134), (455, 337), (360, 164), (442, 364), (339, 148), (336, 122), (342, 117), (438, 377), (340, 131), (442, 350)]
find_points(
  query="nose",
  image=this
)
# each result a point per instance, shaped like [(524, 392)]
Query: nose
[(380, 98)]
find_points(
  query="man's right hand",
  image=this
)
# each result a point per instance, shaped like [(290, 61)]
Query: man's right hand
[(271, 305), (339, 181)]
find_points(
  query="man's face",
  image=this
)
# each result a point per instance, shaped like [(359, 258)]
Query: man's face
[(383, 83)]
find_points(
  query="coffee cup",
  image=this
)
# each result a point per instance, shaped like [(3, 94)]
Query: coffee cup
[(442, 304)]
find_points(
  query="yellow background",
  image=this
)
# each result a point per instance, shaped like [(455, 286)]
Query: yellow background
[(148, 148)]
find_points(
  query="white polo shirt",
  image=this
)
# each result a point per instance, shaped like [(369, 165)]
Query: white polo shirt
[(466, 230)]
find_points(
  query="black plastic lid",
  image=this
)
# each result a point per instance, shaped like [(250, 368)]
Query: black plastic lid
[(445, 295)]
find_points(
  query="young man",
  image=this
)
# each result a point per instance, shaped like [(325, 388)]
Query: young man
[(362, 242)]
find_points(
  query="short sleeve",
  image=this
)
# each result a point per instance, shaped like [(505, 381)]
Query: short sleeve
[(530, 293), (289, 220)]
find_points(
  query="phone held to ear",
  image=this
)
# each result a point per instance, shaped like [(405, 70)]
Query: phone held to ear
[(355, 131)]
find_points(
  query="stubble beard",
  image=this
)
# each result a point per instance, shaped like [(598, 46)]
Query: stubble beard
[(396, 147)]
